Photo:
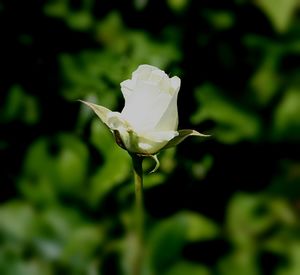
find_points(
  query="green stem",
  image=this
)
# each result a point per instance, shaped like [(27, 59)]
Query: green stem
[(139, 213)]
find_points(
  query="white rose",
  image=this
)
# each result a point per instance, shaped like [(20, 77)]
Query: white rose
[(149, 119)]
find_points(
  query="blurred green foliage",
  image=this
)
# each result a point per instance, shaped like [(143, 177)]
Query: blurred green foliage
[(227, 205)]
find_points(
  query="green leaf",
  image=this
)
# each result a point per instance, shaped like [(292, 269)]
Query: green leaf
[(219, 19), (199, 169), (111, 32), (54, 166), (17, 220), (198, 227), (56, 8), (167, 239), (232, 122), (293, 265), (13, 104), (18, 266), (248, 216), (84, 77), (80, 20), (165, 244), (266, 80), (241, 261), (187, 268), (286, 124), (71, 162), (115, 168), (81, 246), (178, 5), (20, 106), (280, 12)]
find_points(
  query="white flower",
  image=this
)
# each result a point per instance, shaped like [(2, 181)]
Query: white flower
[(148, 122)]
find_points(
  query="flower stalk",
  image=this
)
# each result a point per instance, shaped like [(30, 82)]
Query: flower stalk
[(139, 214)]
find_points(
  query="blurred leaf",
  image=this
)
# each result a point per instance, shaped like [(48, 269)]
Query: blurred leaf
[(58, 223), (178, 5), (286, 223), (22, 267), (20, 106), (168, 237), (140, 4), (17, 220), (286, 124), (56, 8), (63, 235), (116, 163), (280, 12), (198, 227), (38, 190), (293, 265), (99, 72), (13, 103), (266, 80), (167, 160), (165, 243), (71, 161), (232, 122), (48, 248), (132, 47), (183, 267), (80, 20), (54, 166), (286, 183), (248, 216), (111, 32), (60, 231), (199, 169), (220, 19), (92, 73), (147, 51), (241, 261), (153, 179), (283, 212), (81, 246)]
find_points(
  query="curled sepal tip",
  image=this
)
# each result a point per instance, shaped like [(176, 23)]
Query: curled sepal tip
[(155, 158)]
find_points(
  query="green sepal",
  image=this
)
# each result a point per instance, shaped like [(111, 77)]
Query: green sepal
[(157, 163), (182, 135), (100, 111), (154, 157)]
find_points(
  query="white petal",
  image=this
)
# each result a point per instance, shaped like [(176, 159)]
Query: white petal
[(115, 121), (175, 84), (149, 101), (118, 124), (144, 111), (169, 118), (160, 136), (157, 75), (151, 143), (143, 72), (127, 88)]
